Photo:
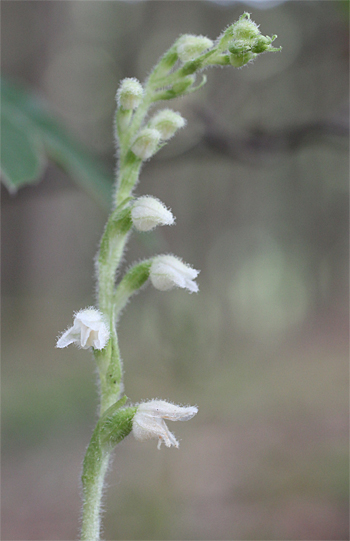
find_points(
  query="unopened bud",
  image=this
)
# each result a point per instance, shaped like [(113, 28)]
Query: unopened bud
[(184, 84), (239, 60), (146, 143), (239, 47), (168, 272), (263, 43), (130, 93), (189, 46), (245, 28), (148, 212), (167, 122)]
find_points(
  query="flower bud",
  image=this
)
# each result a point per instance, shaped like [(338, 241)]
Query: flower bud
[(263, 43), (245, 29), (189, 46), (148, 421), (88, 330), (239, 47), (146, 143), (167, 122), (239, 60), (130, 93), (148, 212), (168, 272), (183, 85)]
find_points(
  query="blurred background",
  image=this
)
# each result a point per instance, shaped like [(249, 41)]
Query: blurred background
[(258, 182)]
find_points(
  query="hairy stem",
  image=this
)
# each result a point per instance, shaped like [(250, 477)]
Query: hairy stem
[(92, 489)]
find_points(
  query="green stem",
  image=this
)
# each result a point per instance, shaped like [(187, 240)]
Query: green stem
[(111, 378), (112, 301), (92, 490), (113, 426)]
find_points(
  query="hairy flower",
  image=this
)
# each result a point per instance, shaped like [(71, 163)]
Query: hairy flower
[(189, 46), (148, 421), (146, 143), (130, 93), (88, 330), (167, 122), (147, 212), (168, 272)]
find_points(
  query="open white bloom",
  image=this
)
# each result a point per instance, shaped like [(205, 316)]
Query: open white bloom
[(167, 122), (146, 143), (147, 212), (89, 330), (168, 272), (148, 421), (189, 46), (130, 93)]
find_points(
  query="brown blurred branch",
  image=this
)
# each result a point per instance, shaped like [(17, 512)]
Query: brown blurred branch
[(259, 143)]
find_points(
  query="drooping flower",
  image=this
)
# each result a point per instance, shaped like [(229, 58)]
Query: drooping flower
[(147, 212), (88, 330), (148, 421), (168, 272)]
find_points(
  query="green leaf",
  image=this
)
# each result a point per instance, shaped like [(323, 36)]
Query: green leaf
[(22, 153), (39, 130)]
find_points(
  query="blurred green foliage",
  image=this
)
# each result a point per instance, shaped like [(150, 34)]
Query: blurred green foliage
[(29, 133)]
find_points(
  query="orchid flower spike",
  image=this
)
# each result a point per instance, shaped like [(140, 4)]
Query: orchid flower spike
[(88, 330), (168, 272), (148, 421)]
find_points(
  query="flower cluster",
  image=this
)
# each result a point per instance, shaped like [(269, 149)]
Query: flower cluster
[(139, 137)]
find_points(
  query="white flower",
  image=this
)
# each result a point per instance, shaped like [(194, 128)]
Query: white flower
[(146, 143), (167, 122), (147, 212), (189, 46), (168, 271), (130, 93), (89, 330), (148, 421)]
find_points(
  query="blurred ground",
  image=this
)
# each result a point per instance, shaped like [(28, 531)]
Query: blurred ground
[(258, 183)]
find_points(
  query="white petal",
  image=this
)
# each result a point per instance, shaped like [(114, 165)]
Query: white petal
[(66, 339), (166, 410), (90, 317), (146, 427), (84, 336)]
